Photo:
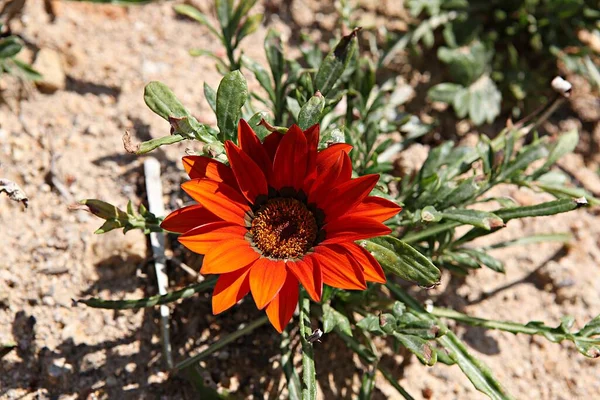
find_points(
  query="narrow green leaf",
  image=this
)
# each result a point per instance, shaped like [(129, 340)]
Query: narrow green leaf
[(241, 11), (444, 92), (477, 372), (523, 160), (549, 237), (335, 63), (539, 210), (27, 70), (394, 382), (401, 259), (486, 260), (310, 113), (224, 13), (260, 130), (481, 219), (566, 143), (211, 97), (231, 96), (195, 14), (361, 350), (287, 364), (261, 74), (419, 347), (160, 99), (249, 27), (274, 52), (332, 318), (150, 301), (10, 47), (148, 146), (367, 385), (309, 382), (196, 375), (371, 324)]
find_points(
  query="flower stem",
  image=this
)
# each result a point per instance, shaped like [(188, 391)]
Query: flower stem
[(309, 384), (189, 291), (242, 330)]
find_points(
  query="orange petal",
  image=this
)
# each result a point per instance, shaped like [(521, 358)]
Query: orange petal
[(371, 268), (230, 289), (199, 167), (289, 167), (347, 196), (250, 144), (204, 238), (327, 180), (282, 307), (187, 218), (271, 143), (339, 270), (228, 256), (266, 280), (249, 176), (219, 198), (310, 276), (378, 208), (349, 229), (328, 156)]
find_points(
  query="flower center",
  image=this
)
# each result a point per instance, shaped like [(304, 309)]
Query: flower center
[(284, 228)]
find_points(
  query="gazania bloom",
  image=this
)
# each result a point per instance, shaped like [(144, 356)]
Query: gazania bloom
[(281, 214)]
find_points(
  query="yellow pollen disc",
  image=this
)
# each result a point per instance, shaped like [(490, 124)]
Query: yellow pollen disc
[(284, 228)]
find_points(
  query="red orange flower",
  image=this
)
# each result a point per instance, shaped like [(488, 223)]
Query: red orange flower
[(281, 214)]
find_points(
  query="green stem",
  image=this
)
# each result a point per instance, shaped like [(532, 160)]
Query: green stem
[(242, 330), (189, 291), (287, 364), (390, 378), (508, 326), (309, 384)]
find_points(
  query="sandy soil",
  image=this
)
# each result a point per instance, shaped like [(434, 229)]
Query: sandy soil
[(51, 256)]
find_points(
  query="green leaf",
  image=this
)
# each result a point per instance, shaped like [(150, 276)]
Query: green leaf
[(486, 260), (160, 99), (149, 145), (249, 27), (241, 11), (274, 52), (260, 130), (310, 113), (195, 14), (309, 381), (419, 347), (481, 219), (371, 324), (444, 92), (566, 143), (335, 63), (477, 372), (211, 97), (287, 364), (544, 237), (430, 214), (401, 259), (523, 160), (333, 318), (261, 74), (231, 96), (223, 15), (484, 101), (10, 47), (539, 210), (27, 70)]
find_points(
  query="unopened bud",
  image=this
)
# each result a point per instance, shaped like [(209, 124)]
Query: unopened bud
[(562, 86)]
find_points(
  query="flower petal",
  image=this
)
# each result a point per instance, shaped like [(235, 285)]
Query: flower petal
[(250, 144), (328, 156), (349, 229), (198, 167), (282, 307), (219, 198), (339, 270), (204, 238), (310, 276), (266, 280), (230, 289), (271, 143), (187, 218), (249, 176), (347, 196), (378, 208), (228, 256), (291, 159), (371, 268), (322, 187)]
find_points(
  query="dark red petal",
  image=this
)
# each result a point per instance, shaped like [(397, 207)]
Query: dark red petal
[(309, 274), (219, 198), (199, 167), (339, 270), (250, 177), (230, 289), (291, 159), (347, 196), (371, 268), (204, 238), (282, 307), (271, 143), (349, 229), (378, 208), (328, 156), (322, 187), (187, 218), (266, 280), (250, 144)]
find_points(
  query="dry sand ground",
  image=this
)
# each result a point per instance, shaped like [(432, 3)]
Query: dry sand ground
[(50, 255)]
